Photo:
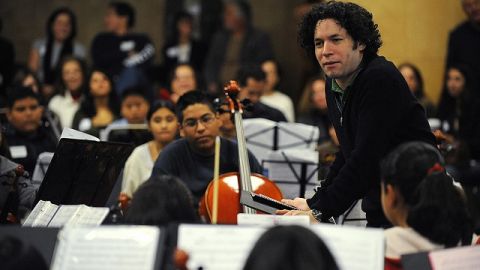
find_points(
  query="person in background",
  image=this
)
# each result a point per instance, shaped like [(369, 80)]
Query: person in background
[(134, 107), (464, 41), (191, 158), (71, 89), (252, 81), (237, 45), (421, 201), (312, 109), (47, 53), (124, 55), (182, 47), (182, 80), (26, 134), (7, 64), (414, 80), (163, 124), (99, 108), (23, 76), (290, 247), (273, 97)]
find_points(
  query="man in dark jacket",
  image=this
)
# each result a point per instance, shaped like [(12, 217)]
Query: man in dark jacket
[(369, 105)]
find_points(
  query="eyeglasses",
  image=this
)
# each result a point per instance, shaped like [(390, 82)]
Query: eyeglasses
[(206, 120)]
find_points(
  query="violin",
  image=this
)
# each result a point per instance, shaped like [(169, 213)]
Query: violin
[(231, 184)]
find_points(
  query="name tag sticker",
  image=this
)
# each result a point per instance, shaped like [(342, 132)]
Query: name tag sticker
[(18, 151), (127, 46)]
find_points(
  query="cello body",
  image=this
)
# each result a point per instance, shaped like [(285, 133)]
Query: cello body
[(229, 196)]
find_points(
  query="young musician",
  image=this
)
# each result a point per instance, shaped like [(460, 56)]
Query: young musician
[(369, 104), (192, 157)]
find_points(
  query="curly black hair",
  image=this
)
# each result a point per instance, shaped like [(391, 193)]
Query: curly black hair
[(356, 20)]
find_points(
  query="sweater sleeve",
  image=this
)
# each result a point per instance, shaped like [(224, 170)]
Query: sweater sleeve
[(380, 107)]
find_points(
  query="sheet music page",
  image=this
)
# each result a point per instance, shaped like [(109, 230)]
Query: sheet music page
[(107, 247), (63, 215), (89, 215), (354, 248), (41, 215), (75, 134), (461, 258), (271, 220), (217, 247)]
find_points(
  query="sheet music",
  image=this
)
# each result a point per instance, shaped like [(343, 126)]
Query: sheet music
[(47, 214), (63, 215), (89, 215), (217, 247), (41, 215), (461, 258), (107, 247), (354, 248), (75, 134), (271, 220)]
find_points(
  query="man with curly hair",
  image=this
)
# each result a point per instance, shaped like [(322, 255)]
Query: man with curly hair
[(369, 105)]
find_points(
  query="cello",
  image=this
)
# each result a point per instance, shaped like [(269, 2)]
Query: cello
[(231, 184)]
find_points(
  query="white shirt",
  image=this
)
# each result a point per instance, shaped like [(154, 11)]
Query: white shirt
[(281, 102), (400, 241), (138, 169), (65, 108)]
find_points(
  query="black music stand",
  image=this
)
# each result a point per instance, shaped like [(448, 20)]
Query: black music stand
[(83, 172), (303, 176)]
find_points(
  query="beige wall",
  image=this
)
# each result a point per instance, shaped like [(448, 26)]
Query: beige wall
[(417, 31), (412, 30)]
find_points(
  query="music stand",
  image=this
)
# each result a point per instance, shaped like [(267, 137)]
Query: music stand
[(293, 167), (264, 136), (83, 172)]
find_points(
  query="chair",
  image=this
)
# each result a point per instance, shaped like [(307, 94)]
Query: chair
[(43, 161)]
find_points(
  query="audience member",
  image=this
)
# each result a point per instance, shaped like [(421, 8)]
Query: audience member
[(290, 247), (464, 41), (273, 97), (419, 198), (252, 81), (25, 77), (163, 124), (7, 62), (71, 89), (414, 80), (182, 79), (124, 55), (238, 44), (312, 109), (134, 107), (47, 53), (182, 47), (162, 200), (26, 134), (99, 107), (191, 158)]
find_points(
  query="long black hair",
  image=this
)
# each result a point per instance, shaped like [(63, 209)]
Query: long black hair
[(88, 104), (67, 46), (436, 208)]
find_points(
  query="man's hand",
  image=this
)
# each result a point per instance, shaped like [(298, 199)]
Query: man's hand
[(299, 203)]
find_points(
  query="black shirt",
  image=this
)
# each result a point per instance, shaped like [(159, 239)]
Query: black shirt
[(196, 169), (260, 110), (379, 114)]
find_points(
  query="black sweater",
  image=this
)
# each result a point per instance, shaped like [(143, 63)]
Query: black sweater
[(379, 114)]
